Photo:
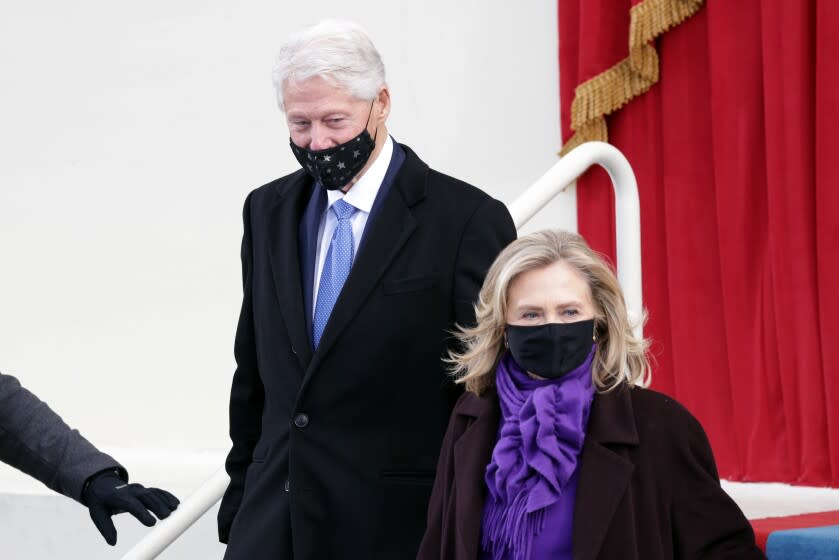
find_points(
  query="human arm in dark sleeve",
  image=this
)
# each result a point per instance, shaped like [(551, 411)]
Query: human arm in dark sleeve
[(707, 523), (489, 230), (35, 440), (246, 394)]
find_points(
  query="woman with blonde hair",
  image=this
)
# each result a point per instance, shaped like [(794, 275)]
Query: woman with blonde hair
[(556, 451)]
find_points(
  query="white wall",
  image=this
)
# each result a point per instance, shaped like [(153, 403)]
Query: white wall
[(130, 134)]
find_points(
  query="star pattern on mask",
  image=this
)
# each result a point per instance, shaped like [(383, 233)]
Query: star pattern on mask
[(333, 167)]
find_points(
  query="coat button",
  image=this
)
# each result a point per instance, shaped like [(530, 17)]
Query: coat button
[(301, 420), (286, 486)]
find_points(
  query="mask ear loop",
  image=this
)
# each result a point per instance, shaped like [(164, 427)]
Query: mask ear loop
[(370, 114)]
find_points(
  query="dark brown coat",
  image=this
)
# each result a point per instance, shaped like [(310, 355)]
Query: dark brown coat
[(648, 486)]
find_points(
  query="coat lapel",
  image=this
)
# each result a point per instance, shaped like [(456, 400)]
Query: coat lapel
[(604, 473), (382, 241), (283, 222), (472, 453), (308, 232)]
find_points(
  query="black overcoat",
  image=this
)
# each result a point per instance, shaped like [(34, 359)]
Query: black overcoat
[(648, 487), (334, 450)]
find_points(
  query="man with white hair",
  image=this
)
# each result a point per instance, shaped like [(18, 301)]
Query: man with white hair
[(355, 269)]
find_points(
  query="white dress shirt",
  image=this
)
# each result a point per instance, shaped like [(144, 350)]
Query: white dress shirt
[(361, 195)]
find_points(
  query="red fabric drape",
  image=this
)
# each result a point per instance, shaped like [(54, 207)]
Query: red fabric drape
[(733, 149)]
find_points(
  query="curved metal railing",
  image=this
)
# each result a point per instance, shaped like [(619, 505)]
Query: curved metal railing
[(556, 180), (167, 531)]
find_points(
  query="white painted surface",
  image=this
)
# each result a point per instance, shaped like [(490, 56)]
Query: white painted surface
[(130, 136), (759, 500)]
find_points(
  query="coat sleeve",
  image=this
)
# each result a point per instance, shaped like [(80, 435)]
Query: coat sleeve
[(35, 440), (707, 523), (246, 394), (489, 230)]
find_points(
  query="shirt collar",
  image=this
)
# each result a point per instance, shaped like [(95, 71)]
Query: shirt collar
[(363, 192)]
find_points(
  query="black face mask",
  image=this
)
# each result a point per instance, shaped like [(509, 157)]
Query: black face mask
[(553, 349), (336, 166)]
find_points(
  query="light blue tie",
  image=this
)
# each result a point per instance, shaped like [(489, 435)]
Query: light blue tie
[(336, 268)]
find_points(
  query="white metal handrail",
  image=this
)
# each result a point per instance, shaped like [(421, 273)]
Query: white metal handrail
[(189, 511), (557, 179)]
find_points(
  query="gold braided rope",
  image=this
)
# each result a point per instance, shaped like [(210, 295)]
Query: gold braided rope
[(615, 87)]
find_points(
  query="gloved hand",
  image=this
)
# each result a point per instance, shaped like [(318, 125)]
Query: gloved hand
[(106, 494)]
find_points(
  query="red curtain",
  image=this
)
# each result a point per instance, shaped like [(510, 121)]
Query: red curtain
[(736, 154)]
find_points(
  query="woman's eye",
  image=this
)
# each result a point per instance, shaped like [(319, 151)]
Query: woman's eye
[(529, 315), (570, 312)]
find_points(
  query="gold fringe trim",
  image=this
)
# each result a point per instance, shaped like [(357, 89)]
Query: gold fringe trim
[(615, 87)]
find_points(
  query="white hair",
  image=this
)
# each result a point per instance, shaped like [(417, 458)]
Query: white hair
[(340, 52)]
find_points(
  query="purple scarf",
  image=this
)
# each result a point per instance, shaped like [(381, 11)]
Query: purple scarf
[(540, 441)]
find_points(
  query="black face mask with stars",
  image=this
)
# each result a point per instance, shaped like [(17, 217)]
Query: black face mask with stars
[(336, 166)]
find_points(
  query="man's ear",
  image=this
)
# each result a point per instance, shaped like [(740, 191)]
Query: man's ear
[(382, 111)]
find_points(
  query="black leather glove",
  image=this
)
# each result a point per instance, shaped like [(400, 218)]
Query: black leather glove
[(106, 494)]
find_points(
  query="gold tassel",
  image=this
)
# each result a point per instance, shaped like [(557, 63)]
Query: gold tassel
[(615, 87)]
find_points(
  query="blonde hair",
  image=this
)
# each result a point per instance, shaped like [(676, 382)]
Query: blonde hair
[(620, 356)]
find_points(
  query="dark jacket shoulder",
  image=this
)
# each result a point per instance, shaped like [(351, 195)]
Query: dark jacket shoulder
[(651, 406), (455, 188), (278, 188), (475, 405), (663, 417)]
